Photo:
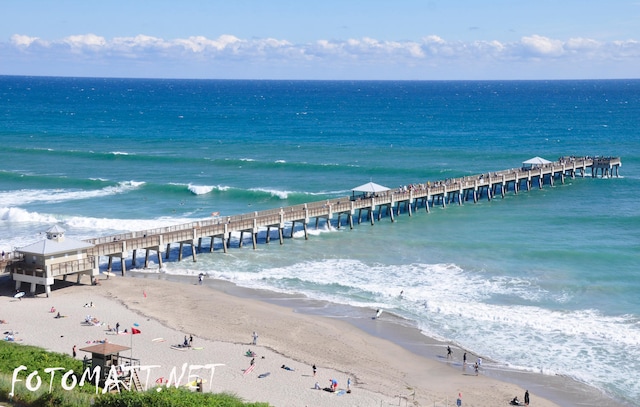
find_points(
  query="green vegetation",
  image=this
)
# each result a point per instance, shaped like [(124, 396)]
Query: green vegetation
[(13, 355), (172, 397)]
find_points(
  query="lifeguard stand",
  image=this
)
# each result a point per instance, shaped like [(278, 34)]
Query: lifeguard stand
[(106, 355)]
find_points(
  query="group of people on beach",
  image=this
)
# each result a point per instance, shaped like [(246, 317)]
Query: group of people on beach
[(333, 387), (476, 365), (516, 402)]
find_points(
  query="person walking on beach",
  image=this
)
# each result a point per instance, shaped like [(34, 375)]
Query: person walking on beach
[(255, 338), (464, 358), (314, 370), (117, 327), (449, 354), (526, 397), (475, 367), (73, 351)]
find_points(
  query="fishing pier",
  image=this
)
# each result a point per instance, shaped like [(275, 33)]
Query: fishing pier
[(344, 211)]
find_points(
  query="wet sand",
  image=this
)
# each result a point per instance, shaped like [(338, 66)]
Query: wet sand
[(386, 361)]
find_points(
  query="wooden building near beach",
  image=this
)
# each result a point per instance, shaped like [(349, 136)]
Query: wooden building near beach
[(106, 356), (56, 256)]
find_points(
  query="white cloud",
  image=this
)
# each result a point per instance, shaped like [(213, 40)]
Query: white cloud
[(542, 46), (139, 41), (90, 41), (350, 55), (625, 49), (22, 41), (579, 44), (201, 44)]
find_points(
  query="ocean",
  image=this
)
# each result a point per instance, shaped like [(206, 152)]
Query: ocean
[(546, 281)]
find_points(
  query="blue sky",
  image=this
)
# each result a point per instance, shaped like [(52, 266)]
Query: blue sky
[(329, 39)]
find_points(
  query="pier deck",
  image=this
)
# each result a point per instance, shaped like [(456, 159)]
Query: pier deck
[(372, 206)]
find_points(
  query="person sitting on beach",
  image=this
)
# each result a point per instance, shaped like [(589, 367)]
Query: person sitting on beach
[(52, 310), (250, 353), (58, 316), (515, 401)]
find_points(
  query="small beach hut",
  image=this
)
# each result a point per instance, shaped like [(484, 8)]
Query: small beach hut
[(535, 162), (368, 189)]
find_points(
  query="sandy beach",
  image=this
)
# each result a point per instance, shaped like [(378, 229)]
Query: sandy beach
[(381, 373)]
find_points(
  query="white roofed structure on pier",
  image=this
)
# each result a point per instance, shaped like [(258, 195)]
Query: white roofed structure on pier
[(55, 256)]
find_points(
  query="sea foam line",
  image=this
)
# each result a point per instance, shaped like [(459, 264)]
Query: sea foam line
[(23, 197)]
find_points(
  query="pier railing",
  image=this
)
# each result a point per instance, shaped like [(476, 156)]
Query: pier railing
[(428, 193)]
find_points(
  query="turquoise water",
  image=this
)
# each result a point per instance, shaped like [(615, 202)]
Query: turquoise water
[(545, 281)]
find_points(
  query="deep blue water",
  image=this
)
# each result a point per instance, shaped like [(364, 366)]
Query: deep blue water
[(545, 281)]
